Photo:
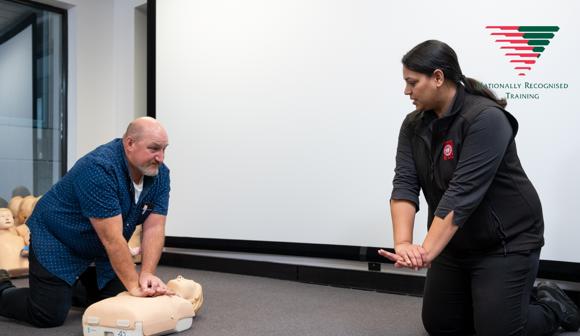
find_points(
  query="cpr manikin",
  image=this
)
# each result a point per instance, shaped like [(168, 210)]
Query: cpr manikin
[(142, 316), (11, 246), (26, 206), (14, 206)]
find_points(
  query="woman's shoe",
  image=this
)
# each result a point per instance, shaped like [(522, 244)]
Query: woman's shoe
[(566, 310)]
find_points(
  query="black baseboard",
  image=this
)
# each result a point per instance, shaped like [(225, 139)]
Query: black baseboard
[(344, 252), (227, 265), (559, 270), (366, 280)]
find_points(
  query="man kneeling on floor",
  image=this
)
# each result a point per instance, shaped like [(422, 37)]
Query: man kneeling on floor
[(80, 227)]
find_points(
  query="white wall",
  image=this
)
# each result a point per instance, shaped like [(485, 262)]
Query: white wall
[(140, 61)]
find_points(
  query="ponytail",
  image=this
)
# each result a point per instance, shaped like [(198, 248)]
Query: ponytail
[(475, 87)]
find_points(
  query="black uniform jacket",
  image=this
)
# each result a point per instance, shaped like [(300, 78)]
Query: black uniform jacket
[(467, 162)]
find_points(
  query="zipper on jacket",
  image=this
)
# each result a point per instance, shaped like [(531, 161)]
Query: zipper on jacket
[(499, 229)]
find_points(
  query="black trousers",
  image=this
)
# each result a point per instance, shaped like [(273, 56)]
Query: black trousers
[(485, 295), (47, 301)]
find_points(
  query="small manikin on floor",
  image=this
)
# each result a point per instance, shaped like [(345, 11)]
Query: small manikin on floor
[(143, 316)]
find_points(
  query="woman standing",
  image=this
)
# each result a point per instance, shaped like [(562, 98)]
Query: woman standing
[(485, 217)]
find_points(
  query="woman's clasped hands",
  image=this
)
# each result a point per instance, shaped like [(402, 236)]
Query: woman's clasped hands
[(408, 255)]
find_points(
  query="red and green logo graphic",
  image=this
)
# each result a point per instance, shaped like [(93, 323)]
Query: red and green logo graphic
[(523, 44)]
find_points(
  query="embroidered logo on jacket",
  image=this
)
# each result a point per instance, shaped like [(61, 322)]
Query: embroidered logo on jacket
[(448, 150)]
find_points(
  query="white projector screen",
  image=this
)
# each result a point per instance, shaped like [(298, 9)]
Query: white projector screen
[(283, 116)]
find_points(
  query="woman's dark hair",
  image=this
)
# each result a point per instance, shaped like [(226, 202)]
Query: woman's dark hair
[(431, 55)]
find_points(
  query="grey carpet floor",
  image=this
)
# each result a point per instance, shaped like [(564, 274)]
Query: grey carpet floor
[(255, 306)]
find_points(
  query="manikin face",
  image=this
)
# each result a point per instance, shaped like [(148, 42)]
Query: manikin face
[(6, 218), (147, 153), (422, 89)]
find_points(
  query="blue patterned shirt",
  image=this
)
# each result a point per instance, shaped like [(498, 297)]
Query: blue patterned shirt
[(98, 186)]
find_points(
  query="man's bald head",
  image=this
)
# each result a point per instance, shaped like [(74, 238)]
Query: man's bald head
[(143, 126)]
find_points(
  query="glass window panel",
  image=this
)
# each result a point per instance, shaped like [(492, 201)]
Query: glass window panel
[(32, 98)]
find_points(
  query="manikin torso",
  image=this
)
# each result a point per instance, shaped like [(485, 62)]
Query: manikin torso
[(11, 244), (24, 211)]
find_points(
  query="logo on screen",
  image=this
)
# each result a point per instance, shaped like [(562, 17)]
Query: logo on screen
[(523, 45)]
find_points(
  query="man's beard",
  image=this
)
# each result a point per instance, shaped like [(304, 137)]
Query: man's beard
[(149, 169)]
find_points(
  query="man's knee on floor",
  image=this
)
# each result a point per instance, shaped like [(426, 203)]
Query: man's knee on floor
[(49, 320)]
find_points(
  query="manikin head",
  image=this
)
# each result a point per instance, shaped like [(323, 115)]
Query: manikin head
[(188, 290), (6, 219), (145, 142), (14, 206), (26, 207)]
